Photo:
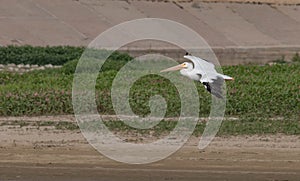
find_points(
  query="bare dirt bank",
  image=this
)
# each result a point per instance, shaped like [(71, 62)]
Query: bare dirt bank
[(239, 32), (43, 152), (276, 2)]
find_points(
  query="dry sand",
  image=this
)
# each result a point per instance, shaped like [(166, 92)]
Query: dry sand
[(34, 152), (278, 2)]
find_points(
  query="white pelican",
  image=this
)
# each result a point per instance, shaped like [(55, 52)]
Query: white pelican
[(204, 72)]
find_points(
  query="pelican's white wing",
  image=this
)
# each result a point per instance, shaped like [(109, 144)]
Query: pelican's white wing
[(204, 68), (210, 78)]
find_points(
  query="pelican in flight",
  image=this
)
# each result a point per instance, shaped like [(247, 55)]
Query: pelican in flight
[(202, 71)]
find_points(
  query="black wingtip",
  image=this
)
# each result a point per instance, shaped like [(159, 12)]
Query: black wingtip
[(217, 95), (214, 88)]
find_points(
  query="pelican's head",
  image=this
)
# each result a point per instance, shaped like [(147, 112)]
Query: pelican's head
[(184, 65)]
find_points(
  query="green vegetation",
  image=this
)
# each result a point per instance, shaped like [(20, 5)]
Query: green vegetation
[(228, 127), (57, 55), (39, 55), (280, 60), (258, 91), (296, 58), (258, 94)]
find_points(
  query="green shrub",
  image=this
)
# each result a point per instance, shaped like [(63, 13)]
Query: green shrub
[(264, 91), (280, 60), (258, 91), (57, 55), (296, 58), (42, 102), (114, 62)]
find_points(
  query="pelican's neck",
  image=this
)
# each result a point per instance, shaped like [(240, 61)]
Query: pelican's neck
[(188, 72)]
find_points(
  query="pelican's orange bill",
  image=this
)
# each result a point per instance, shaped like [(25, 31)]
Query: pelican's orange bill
[(177, 67)]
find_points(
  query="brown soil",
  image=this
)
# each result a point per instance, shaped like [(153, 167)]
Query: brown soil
[(29, 152), (275, 2)]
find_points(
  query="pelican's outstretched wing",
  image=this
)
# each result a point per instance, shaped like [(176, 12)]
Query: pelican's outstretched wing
[(204, 68), (210, 78), (215, 87)]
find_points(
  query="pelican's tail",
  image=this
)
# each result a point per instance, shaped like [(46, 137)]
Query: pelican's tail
[(226, 77)]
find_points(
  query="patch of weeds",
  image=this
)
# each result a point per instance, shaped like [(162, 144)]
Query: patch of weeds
[(46, 123), (296, 58), (66, 125), (228, 127), (23, 123), (280, 60), (15, 123)]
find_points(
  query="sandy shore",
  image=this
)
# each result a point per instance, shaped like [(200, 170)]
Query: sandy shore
[(29, 152)]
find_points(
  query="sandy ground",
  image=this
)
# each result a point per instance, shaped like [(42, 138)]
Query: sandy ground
[(288, 2), (31, 152)]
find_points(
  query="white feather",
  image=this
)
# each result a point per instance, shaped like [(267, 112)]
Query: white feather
[(205, 69)]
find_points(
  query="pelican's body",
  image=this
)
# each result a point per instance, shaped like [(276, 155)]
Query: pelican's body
[(204, 72)]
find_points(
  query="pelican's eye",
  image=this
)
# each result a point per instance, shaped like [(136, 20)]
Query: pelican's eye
[(184, 65)]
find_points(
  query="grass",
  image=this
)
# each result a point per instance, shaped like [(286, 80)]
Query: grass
[(228, 127), (60, 125), (250, 126), (296, 58), (57, 55), (258, 94), (258, 91), (66, 125)]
